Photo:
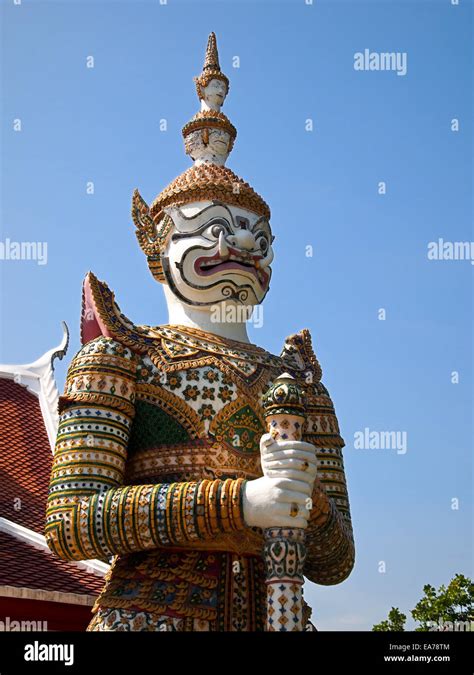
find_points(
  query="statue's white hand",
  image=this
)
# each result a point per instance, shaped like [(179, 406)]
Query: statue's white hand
[(295, 460), (281, 498)]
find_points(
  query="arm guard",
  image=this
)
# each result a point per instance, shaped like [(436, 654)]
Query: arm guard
[(91, 513)]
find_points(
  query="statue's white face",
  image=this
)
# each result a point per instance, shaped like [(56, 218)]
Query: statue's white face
[(219, 142), (218, 253), (216, 150), (215, 93)]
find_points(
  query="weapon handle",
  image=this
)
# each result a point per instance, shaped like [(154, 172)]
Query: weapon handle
[(284, 549)]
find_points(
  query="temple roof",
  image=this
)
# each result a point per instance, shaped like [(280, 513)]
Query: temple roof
[(28, 423), (25, 456), (24, 566), (38, 378)]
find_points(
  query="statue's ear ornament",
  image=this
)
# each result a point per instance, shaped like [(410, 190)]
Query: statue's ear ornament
[(152, 233)]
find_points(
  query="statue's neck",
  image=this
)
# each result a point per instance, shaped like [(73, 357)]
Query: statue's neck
[(203, 318)]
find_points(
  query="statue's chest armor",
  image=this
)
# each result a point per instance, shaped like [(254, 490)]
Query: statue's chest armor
[(198, 396), (197, 418)]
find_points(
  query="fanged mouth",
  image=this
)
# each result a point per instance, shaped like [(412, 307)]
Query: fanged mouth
[(235, 260)]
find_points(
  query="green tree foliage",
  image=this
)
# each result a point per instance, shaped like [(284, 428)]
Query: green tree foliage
[(454, 603), (396, 621)]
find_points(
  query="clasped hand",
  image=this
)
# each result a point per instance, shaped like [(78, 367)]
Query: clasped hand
[(282, 496)]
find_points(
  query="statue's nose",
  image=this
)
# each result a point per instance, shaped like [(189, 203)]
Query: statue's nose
[(242, 239)]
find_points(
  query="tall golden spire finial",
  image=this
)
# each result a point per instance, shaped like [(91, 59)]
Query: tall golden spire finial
[(211, 60)]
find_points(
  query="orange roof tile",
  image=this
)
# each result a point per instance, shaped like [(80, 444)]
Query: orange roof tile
[(25, 566), (25, 457)]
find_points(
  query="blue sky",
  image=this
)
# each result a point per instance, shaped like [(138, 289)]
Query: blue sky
[(369, 250)]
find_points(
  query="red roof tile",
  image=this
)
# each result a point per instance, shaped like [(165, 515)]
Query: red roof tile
[(25, 566), (25, 466), (25, 457)]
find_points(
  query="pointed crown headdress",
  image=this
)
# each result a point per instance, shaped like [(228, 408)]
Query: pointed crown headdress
[(207, 180), (211, 69)]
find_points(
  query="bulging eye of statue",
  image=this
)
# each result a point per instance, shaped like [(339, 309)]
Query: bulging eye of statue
[(263, 244), (217, 229)]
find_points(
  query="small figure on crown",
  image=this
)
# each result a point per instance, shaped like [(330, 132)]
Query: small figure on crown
[(162, 460)]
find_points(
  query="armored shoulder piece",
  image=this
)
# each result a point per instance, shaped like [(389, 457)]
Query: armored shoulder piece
[(101, 315), (103, 372)]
